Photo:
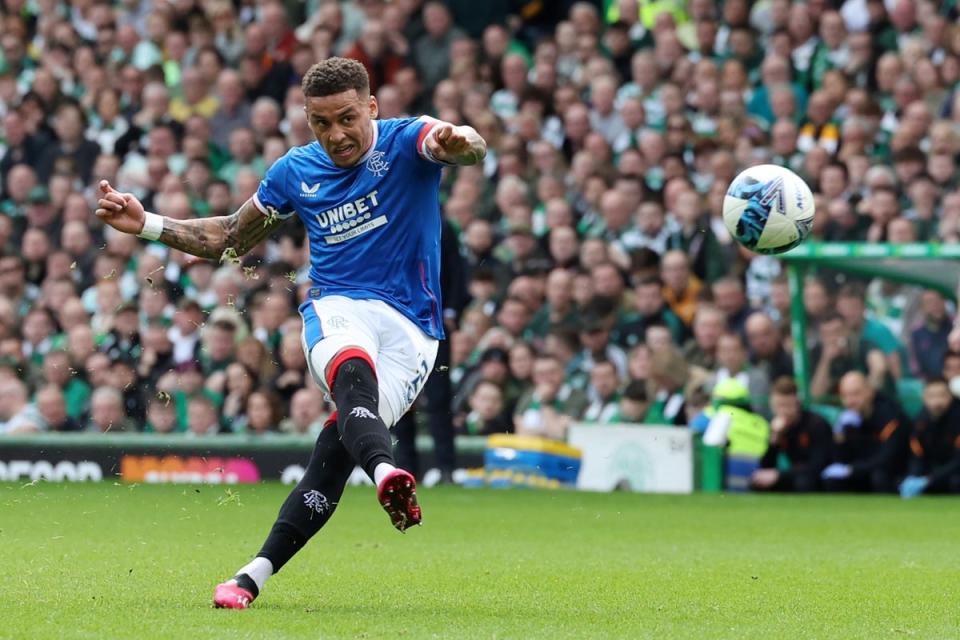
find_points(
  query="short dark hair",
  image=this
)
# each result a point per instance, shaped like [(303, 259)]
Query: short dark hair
[(784, 386), (335, 75), (832, 316), (649, 281), (852, 290), (603, 362), (884, 189), (839, 166), (225, 325)]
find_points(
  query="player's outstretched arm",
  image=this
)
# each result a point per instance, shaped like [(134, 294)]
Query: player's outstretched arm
[(456, 145), (203, 237)]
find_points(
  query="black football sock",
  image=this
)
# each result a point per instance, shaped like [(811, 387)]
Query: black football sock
[(362, 430), (312, 501)]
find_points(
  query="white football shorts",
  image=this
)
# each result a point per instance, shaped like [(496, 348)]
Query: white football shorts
[(402, 355)]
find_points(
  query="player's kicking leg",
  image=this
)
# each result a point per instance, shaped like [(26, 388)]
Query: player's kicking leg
[(359, 435), (303, 514)]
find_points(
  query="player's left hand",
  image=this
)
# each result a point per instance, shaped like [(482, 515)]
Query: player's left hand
[(912, 486), (448, 143)]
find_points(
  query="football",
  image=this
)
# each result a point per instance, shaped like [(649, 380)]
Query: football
[(768, 209)]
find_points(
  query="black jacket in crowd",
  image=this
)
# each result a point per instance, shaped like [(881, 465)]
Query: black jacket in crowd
[(935, 447), (807, 446), (880, 443)]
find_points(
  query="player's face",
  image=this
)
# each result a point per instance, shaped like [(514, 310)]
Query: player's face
[(341, 123)]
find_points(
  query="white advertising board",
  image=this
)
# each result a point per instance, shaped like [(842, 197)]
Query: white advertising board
[(634, 458)]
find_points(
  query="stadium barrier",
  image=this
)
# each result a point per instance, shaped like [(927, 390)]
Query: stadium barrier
[(641, 458), (227, 459), (596, 458)]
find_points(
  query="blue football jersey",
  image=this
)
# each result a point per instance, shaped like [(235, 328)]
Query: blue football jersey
[(374, 228)]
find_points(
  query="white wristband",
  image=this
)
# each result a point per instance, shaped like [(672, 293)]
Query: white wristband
[(152, 226)]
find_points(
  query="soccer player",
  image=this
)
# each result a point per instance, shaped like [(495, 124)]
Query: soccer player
[(367, 192)]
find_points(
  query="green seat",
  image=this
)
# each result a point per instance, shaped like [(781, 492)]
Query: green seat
[(910, 394), (828, 412)]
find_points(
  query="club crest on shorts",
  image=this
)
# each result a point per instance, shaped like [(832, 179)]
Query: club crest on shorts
[(337, 322), (377, 165), (316, 501), (362, 412)]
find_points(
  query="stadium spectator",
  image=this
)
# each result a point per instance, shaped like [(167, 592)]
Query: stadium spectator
[(801, 444), (872, 439), (766, 347), (708, 326), (123, 377), (17, 415), (558, 309), (682, 287), (431, 51), (381, 55), (263, 412), (72, 153), (934, 464), (107, 412), (202, 420), (851, 304), (307, 415), (547, 409), (487, 411), (633, 405), (161, 416), (595, 338), (928, 341), (730, 297), (839, 352), (293, 375), (732, 363), (649, 309), (238, 384), (603, 393), (52, 408), (669, 374)]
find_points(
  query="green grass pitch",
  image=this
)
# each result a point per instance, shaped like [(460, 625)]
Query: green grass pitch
[(116, 561)]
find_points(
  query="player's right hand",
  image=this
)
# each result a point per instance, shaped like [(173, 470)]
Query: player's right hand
[(122, 211)]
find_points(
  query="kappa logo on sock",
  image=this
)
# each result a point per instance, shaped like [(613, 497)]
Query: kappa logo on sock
[(362, 412), (316, 501)]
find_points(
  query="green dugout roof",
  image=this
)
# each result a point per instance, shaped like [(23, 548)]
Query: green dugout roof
[(933, 266)]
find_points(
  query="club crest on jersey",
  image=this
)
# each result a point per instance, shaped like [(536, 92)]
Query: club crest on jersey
[(306, 191), (377, 165)]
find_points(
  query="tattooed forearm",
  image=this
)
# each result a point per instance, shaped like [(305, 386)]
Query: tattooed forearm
[(211, 237)]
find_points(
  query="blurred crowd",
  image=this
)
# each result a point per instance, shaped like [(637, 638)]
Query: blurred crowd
[(603, 285)]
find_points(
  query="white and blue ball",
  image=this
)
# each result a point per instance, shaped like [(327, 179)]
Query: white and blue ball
[(768, 209)]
